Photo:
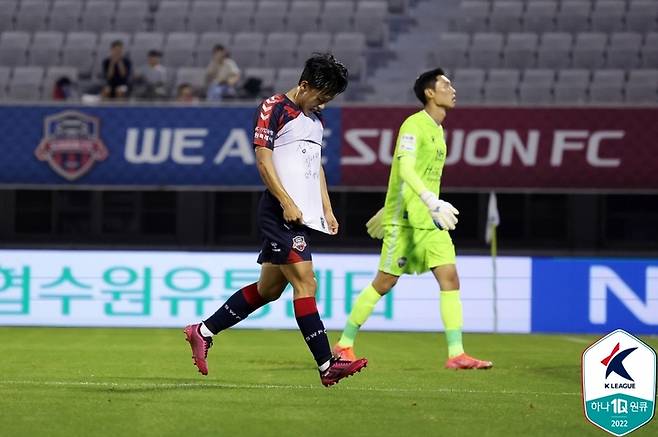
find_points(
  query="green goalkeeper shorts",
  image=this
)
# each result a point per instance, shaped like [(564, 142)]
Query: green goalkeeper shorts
[(410, 250)]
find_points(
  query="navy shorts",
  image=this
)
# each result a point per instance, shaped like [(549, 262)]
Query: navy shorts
[(283, 243)]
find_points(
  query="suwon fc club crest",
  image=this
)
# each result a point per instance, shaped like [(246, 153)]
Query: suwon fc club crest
[(71, 144)]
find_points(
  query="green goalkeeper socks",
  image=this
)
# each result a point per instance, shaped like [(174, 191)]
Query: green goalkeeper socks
[(363, 307), (452, 316)]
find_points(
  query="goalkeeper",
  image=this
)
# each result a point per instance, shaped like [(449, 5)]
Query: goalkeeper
[(414, 222)]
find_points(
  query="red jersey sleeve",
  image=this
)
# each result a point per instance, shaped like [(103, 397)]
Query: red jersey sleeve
[(266, 121)]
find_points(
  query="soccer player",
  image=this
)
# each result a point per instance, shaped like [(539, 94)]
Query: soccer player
[(288, 139), (410, 220)]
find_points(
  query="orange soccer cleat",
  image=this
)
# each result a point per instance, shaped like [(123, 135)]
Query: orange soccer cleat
[(464, 361), (344, 353)]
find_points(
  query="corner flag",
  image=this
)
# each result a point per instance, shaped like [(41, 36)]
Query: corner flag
[(493, 220)]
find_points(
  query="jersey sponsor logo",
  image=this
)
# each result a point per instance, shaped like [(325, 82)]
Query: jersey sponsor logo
[(71, 144), (299, 243), (263, 133), (408, 143)]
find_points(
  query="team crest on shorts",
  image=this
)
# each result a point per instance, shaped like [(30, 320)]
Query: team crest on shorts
[(402, 261), (71, 144), (298, 243)]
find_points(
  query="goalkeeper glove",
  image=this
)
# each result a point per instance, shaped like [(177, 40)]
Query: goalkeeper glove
[(443, 213), (375, 227)]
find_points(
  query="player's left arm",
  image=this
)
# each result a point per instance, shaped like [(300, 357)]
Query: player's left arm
[(326, 204)]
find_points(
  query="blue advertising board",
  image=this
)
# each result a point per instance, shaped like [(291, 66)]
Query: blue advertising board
[(138, 146), (594, 295)]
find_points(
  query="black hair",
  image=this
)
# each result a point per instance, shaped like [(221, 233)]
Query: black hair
[(116, 43), (322, 71), (424, 81)]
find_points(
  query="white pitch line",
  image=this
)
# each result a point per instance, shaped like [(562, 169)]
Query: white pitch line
[(578, 340), (166, 385)]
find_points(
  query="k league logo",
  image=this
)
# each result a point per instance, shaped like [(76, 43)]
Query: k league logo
[(619, 383)]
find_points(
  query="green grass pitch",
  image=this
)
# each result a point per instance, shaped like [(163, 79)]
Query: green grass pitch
[(141, 382)]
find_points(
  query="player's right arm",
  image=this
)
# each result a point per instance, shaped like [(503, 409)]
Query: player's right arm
[(265, 127), (442, 212)]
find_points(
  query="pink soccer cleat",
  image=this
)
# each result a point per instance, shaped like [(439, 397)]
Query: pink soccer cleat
[(199, 345), (340, 369), (464, 361), (344, 353)]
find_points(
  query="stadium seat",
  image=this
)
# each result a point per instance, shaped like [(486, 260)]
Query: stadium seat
[(588, 50), (370, 18), (79, 50), (649, 53), (45, 48), (207, 41), (280, 49), (171, 16), (142, 43), (642, 15), (536, 86), (195, 76), (286, 79), (349, 48), (7, 13), (608, 16), (131, 16), (97, 16), (468, 82), (451, 50), (520, 50), (540, 16), (65, 15), (473, 16), (501, 86), (13, 47), (573, 16), (25, 83), (554, 50), (505, 16), (270, 16), (642, 86), (311, 42), (246, 49), (4, 80), (303, 16), (237, 16), (623, 51), (266, 75), (32, 15), (179, 49), (53, 74), (485, 50), (204, 16), (571, 87), (337, 16), (607, 86)]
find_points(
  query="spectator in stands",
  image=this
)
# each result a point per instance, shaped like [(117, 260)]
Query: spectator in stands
[(222, 74), (64, 89), (151, 80), (185, 93), (117, 71)]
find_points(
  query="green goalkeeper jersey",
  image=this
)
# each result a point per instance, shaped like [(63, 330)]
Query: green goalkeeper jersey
[(420, 138)]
